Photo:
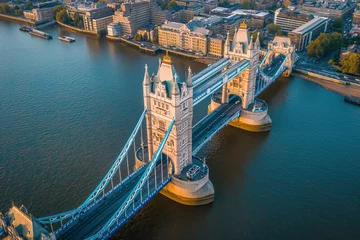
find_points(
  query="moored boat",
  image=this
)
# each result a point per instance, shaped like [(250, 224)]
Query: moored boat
[(66, 39), (25, 28), (41, 34), (352, 99)]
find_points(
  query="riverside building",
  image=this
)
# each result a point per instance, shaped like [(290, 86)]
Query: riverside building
[(302, 35), (289, 20), (173, 34)]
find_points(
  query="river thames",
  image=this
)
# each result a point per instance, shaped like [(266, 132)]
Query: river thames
[(66, 110)]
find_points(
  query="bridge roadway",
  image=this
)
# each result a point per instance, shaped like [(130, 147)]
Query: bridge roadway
[(214, 122), (95, 218), (271, 69)]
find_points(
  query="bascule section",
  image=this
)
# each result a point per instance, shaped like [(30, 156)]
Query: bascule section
[(277, 62)]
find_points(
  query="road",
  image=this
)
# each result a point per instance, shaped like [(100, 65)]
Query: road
[(93, 220), (203, 130)]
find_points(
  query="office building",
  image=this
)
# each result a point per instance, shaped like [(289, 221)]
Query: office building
[(329, 9), (302, 35), (173, 34), (132, 16), (40, 14), (114, 29), (289, 20)]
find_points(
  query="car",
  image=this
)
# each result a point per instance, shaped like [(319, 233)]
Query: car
[(237, 102)]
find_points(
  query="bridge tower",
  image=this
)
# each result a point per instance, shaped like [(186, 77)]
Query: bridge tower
[(242, 48), (254, 115), (167, 97), (282, 45)]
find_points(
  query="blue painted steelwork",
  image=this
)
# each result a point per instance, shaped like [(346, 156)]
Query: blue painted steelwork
[(112, 223), (209, 87), (102, 185), (210, 71), (235, 116), (265, 81), (262, 62), (207, 127)]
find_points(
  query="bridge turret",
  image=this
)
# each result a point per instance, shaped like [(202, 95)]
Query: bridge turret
[(227, 45)]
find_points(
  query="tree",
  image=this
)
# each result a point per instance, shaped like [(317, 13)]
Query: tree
[(224, 3), (245, 5), (331, 62), (287, 3), (57, 9), (29, 6), (4, 9), (273, 28), (62, 16), (351, 64), (172, 5), (78, 21), (338, 25), (323, 44)]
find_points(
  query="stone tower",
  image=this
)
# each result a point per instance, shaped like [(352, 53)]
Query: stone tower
[(242, 48), (167, 97)]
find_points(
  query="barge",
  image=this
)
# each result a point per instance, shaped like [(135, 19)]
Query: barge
[(352, 99), (67, 39), (41, 34), (25, 28)]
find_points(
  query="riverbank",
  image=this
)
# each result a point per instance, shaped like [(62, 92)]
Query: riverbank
[(17, 19), (340, 88), (77, 29)]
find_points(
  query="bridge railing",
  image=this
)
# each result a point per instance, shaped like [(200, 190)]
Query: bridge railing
[(121, 170), (136, 199)]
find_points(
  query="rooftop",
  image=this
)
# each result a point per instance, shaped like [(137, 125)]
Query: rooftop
[(309, 25)]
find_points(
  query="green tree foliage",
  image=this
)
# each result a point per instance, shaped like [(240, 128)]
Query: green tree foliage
[(273, 28), (351, 64), (29, 6), (78, 21), (5, 9), (57, 9), (331, 62), (62, 16), (171, 5), (245, 5), (338, 25), (224, 3), (324, 44), (138, 37), (255, 35)]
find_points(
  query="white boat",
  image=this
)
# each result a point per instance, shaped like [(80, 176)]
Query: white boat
[(66, 39)]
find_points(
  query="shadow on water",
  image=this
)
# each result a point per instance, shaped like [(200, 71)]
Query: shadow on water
[(228, 155)]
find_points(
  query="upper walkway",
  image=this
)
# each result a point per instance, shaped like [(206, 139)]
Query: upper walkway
[(210, 71), (206, 88)]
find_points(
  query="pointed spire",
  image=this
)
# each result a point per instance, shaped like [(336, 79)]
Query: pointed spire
[(257, 41), (146, 76), (188, 80), (251, 43), (175, 89)]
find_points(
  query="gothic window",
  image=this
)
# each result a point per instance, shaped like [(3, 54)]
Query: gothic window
[(162, 125), (154, 102), (162, 105), (167, 107)]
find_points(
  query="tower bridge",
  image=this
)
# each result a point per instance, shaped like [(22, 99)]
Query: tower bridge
[(160, 154)]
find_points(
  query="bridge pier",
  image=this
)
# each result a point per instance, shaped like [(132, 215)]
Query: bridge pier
[(254, 119), (194, 192)]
